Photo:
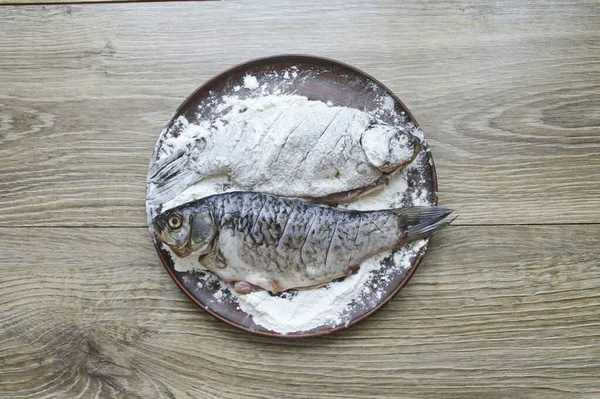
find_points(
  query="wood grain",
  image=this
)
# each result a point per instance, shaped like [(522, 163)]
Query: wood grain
[(507, 95), (506, 304), (492, 311)]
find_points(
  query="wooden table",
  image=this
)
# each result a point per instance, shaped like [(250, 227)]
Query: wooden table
[(506, 302)]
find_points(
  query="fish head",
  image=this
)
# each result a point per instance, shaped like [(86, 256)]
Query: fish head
[(388, 148), (186, 231)]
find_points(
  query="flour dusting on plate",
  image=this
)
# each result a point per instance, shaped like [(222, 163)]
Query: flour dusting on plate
[(295, 311)]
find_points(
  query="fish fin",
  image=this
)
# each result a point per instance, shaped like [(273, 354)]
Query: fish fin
[(418, 214), (221, 262), (175, 172), (170, 178), (351, 195), (244, 287), (162, 169), (422, 221), (427, 228)]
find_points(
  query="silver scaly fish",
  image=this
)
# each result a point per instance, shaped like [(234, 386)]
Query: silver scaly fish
[(277, 243)]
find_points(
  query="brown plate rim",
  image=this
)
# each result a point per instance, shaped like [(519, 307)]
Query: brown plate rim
[(410, 273)]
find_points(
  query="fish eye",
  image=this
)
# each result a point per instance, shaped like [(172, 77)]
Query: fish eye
[(174, 222)]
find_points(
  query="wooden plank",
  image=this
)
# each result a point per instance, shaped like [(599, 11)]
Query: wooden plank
[(75, 2), (494, 312), (507, 95)]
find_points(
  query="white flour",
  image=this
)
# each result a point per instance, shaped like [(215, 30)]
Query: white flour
[(250, 82), (325, 306), (282, 145), (308, 309)]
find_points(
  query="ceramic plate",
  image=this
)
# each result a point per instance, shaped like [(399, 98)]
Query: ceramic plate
[(336, 84)]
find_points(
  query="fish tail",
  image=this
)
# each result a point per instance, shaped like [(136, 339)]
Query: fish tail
[(171, 176), (423, 222), (171, 166)]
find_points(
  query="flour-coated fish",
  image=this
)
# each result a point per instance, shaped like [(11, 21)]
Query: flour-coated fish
[(332, 153)]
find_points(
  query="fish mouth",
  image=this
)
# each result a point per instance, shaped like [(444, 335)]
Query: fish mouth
[(182, 252), (179, 251)]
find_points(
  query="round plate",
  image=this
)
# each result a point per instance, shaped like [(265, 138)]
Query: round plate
[(321, 79)]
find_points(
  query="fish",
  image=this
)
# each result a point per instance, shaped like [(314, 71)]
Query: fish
[(334, 153), (261, 241)]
